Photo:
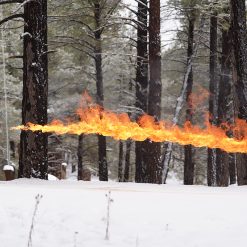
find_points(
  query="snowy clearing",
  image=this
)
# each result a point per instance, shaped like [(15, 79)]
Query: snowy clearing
[(74, 213)]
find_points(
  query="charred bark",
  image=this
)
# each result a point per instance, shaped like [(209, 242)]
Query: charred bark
[(188, 152), (141, 83), (103, 168), (153, 157), (238, 17), (211, 169), (33, 146)]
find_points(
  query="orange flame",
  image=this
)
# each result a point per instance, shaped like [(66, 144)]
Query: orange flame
[(95, 120)]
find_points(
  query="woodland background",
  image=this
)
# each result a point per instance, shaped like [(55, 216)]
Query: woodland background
[(193, 34)]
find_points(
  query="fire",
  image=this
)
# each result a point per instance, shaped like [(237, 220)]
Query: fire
[(95, 120)]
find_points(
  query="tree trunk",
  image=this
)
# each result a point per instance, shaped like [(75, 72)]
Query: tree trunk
[(153, 159), (211, 169), (80, 157), (103, 168), (33, 146), (225, 107), (238, 17), (120, 162), (127, 161), (188, 152), (232, 168), (141, 83)]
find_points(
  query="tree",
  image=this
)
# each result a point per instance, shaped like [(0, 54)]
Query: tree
[(211, 168), (103, 169), (225, 99), (188, 152), (239, 37), (141, 83), (33, 146), (153, 156)]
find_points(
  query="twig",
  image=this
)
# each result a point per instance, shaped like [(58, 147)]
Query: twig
[(38, 199)]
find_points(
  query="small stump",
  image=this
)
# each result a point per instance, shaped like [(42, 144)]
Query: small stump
[(9, 172)]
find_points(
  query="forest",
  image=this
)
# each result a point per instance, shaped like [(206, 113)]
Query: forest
[(123, 123), (130, 91)]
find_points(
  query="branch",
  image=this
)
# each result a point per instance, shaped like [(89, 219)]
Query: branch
[(10, 1), (9, 18)]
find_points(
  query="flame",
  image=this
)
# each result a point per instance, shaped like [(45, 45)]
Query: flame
[(95, 120)]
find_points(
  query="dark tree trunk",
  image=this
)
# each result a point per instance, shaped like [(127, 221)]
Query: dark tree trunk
[(232, 168), (238, 17), (80, 157), (127, 161), (120, 162), (103, 168), (211, 169), (33, 146), (153, 159), (188, 152), (225, 107), (141, 83), (12, 149)]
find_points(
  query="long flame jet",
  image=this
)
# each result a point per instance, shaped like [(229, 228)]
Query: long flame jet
[(95, 120)]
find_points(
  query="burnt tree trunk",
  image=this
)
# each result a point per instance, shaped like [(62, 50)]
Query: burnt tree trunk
[(153, 157), (80, 157), (211, 169), (120, 162), (33, 146), (127, 161), (188, 152), (103, 168), (225, 108), (141, 83), (238, 17)]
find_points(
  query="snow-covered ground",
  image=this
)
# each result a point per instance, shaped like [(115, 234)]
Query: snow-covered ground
[(73, 214)]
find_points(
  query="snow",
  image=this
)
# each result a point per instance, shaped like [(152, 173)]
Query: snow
[(74, 213), (52, 177), (8, 168)]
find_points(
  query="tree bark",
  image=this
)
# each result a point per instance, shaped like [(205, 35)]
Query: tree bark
[(33, 146), (127, 161), (238, 17), (141, 83), (188, 152), (225, 108), (120, 162), (153, 157), (80, 157), (211, 169), (103, 167)]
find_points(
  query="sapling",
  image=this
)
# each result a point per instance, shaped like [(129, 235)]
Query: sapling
[(109, 201), (38, 199)]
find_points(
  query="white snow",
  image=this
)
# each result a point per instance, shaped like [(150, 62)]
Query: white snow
[(64, 164), (74, 213), (8, 168), (52, 177)]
